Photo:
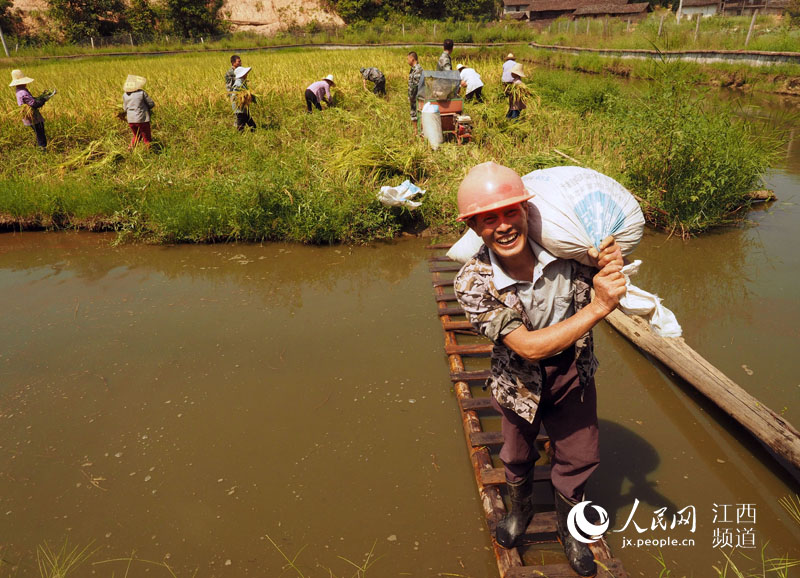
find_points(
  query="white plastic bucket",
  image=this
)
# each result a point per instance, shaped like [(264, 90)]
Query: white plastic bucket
[(432, 127)]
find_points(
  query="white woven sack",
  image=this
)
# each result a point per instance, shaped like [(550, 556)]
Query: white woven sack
[(575, 208), (465, 248)]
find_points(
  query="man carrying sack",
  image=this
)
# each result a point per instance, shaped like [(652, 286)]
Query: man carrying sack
[(538, 311)]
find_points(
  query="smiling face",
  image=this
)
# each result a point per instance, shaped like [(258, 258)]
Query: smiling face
[(504, 230)]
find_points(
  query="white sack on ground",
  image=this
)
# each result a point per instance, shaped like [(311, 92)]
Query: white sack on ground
[(576, 208), (401, 195)]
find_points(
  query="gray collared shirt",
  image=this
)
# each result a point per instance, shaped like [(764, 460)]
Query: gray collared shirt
[(548, 297)]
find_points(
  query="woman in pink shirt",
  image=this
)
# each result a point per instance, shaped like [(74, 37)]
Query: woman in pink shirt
[(317, 91), (32, 118)]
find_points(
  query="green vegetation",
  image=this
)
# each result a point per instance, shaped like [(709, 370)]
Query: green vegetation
[(313, 178), (771, 33), (688, 161)]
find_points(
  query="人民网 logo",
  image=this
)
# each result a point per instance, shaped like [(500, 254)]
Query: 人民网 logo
[(582, 529)]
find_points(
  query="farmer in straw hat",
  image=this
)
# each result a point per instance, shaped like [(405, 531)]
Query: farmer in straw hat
[(31, 116), (319, 91), (241, 100), (509, 63), (516, 92), (538, 310), (137, 104)]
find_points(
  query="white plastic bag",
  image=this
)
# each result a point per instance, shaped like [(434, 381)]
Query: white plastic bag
[(639, 302), (575, 208), (401, 195)]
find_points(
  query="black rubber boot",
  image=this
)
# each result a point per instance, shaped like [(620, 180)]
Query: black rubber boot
[(579, 555), (514, 524)]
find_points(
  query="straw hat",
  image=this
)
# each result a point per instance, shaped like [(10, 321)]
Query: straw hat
[(18, 78), (134, 83), (242, 71), (510, 56), (460, 66), (517, 69), (329, 78)]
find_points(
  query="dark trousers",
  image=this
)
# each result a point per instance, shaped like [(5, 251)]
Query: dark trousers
[(569, 415), (380, 87), (41, 137), (477, 94), (141, 132), (311, 98), (244, 119), (513, 114)]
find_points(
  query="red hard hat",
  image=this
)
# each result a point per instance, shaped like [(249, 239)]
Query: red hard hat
[(489, 186)]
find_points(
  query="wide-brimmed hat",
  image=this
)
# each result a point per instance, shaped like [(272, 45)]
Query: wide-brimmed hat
[(242, 71), (460, 66), (510, 56), (134, 83), (329, 78), (18, 78), (517, 69)]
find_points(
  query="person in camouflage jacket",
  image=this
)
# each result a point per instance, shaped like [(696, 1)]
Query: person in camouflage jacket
[(538, 311), (376, 77), (445, 62), (413, 84)]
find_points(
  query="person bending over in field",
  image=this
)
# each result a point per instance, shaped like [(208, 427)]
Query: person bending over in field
[(230, 76), (242, 99), (137, 104), (30, 114), (376, 77), (471, 82), (319, 91)]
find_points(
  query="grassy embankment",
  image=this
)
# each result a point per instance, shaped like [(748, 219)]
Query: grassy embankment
[(313, 178), (771, 33)]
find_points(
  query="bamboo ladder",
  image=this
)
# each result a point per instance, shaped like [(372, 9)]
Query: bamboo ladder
[(542, 529)]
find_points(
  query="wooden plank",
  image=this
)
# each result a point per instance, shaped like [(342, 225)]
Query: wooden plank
[(476, 404), (490, 498), (446, 268), (495, 438), (439, 259), (497, 476), (450, 311), (439, 246), (443, 283), (473, 349), (465, 326), (613, 569), (473, 376), (770, 428), (545, 571), (446, 298)]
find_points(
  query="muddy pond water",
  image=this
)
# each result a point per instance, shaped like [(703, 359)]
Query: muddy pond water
[(213, 406)]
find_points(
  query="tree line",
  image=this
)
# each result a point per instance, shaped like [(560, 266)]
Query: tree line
[(77, 20)]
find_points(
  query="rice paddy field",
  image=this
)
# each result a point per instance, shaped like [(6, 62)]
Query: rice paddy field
[(314, 178)]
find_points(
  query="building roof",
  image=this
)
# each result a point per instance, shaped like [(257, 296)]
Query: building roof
[(697, 3), (516, 2), (611, 8), (564, 5)]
